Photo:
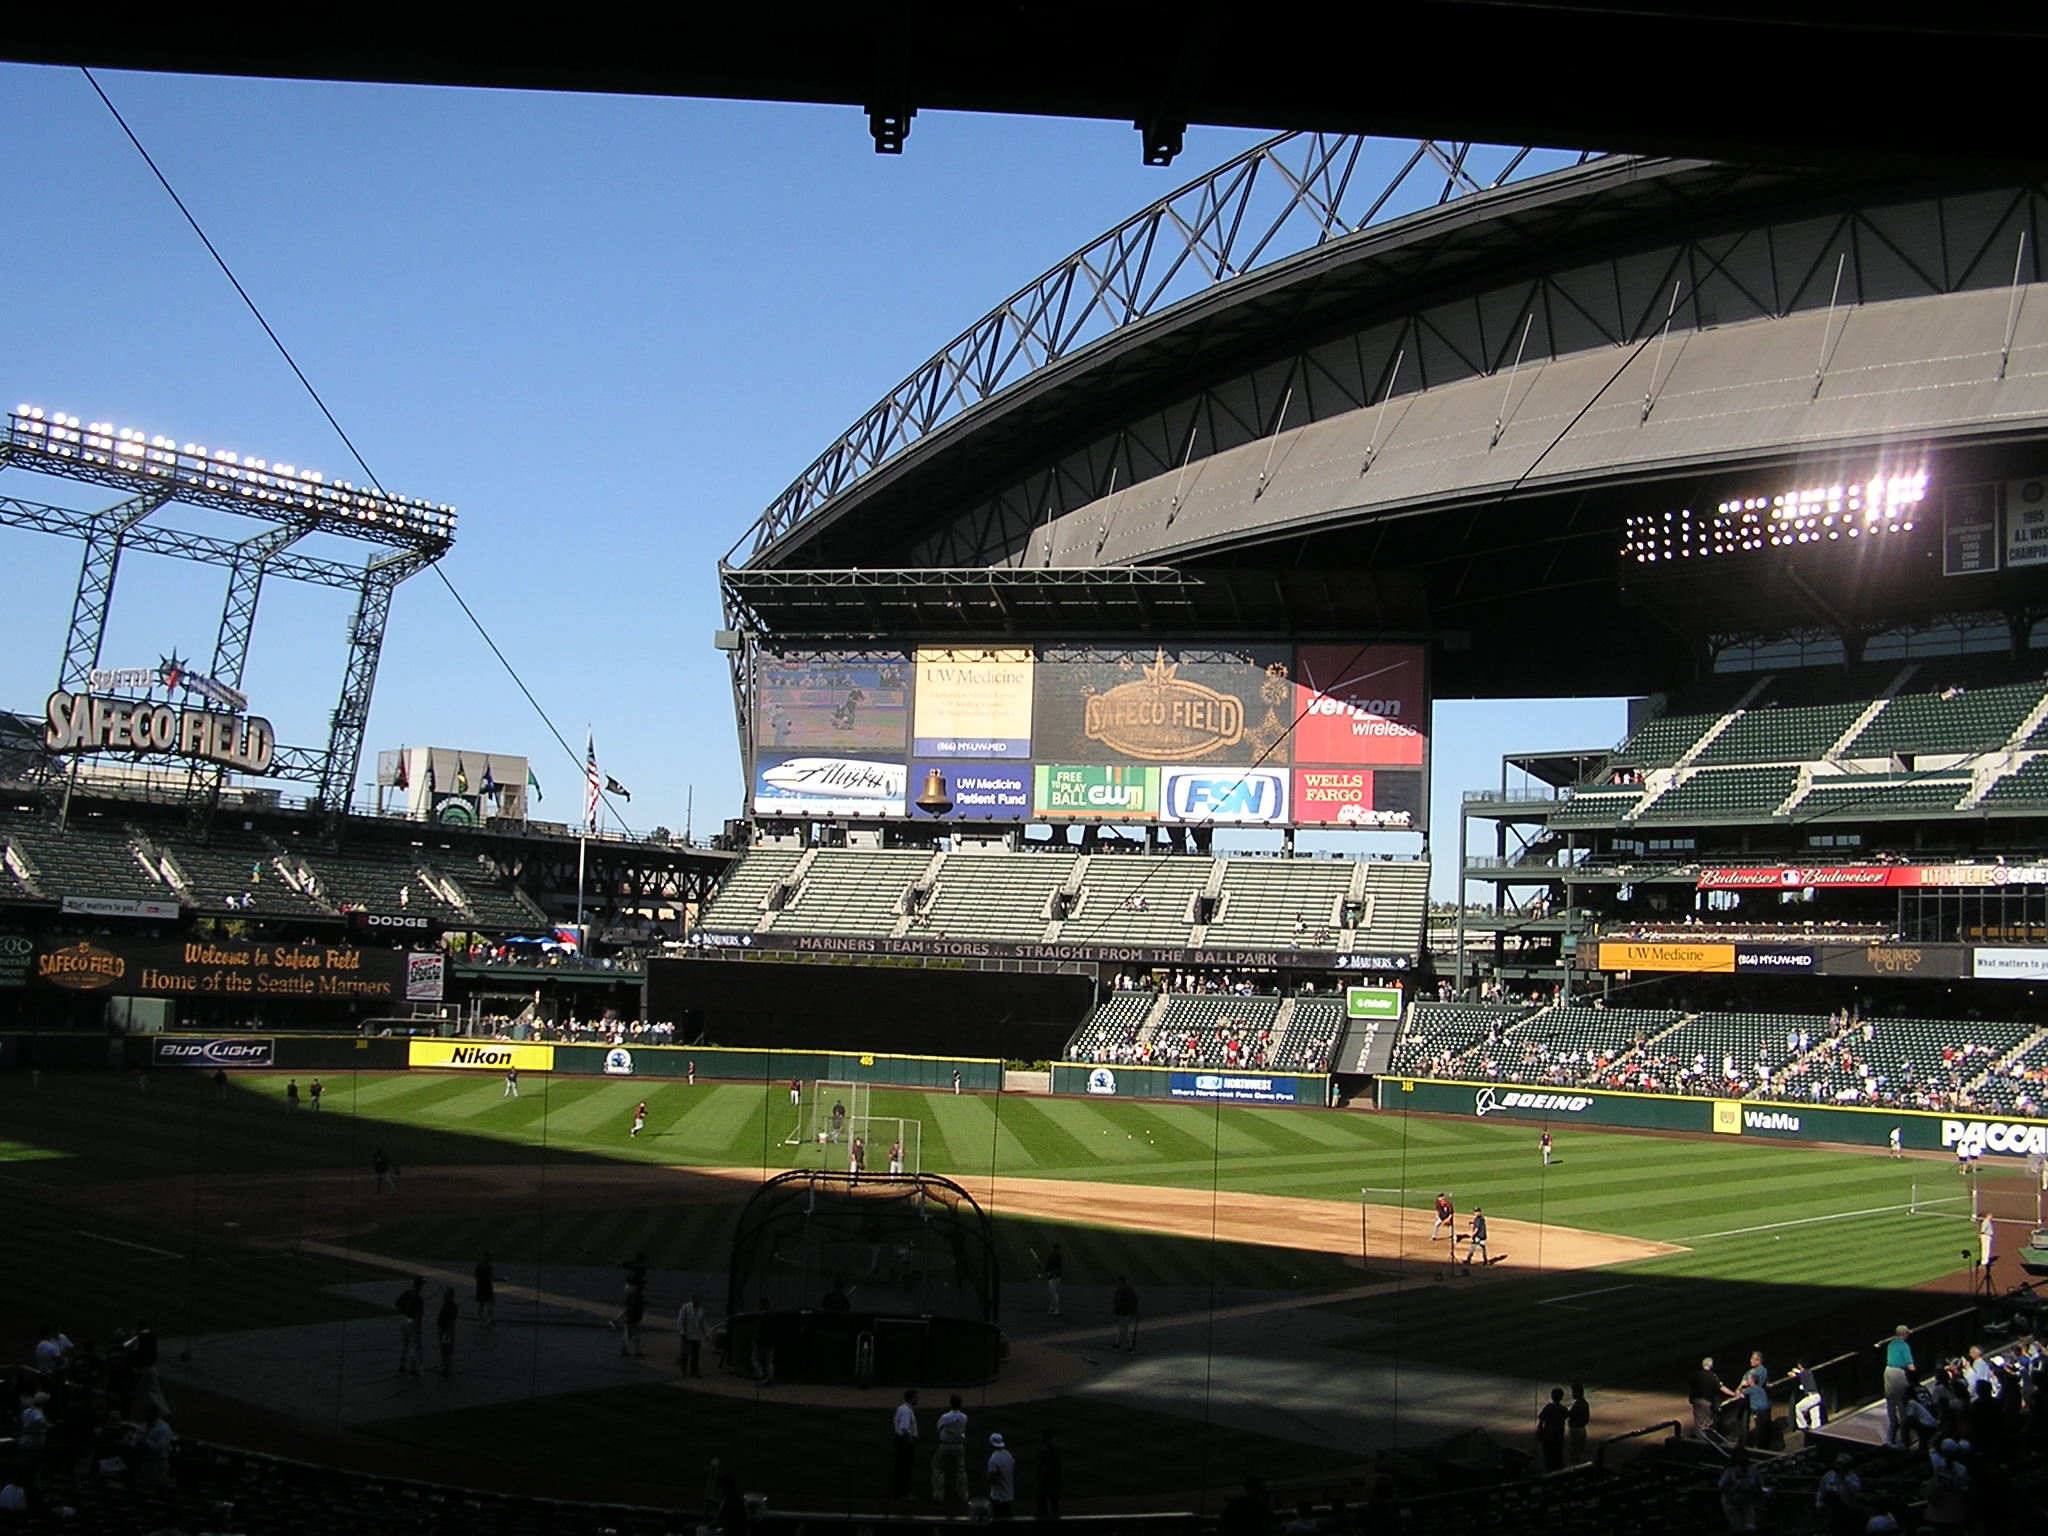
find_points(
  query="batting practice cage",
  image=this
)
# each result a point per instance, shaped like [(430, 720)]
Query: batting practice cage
[(878, 1279)]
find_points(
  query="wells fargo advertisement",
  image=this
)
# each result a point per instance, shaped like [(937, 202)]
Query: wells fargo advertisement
[(220, 968)]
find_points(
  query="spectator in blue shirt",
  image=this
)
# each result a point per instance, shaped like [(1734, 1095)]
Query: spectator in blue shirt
[(1898, 1383), (1756, 1402)]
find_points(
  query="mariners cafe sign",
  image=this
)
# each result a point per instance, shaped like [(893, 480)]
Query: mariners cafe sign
[(93, 722)]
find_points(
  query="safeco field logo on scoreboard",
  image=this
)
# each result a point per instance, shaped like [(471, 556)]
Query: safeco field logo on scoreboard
[(1253, 797)]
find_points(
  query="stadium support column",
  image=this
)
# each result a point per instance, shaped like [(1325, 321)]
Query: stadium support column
[(104, 536), (738, 640), (238, 621), (102, 563), (1464, 820), (245, 588), (365, 645)]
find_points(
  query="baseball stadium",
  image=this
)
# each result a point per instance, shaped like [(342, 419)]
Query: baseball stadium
[(1066, 1035)]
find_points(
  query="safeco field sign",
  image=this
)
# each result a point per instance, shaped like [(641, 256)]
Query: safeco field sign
[(480, 1055)]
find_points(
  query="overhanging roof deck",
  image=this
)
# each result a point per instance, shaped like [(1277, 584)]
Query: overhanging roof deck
[(1011, 604)]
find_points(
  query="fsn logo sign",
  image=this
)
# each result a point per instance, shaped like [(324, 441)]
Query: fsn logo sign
[(1995, 1136), (1255, 797), (1487, 1102)]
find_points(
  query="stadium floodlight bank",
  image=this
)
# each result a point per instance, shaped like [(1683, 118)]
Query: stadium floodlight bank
[(152, 471)]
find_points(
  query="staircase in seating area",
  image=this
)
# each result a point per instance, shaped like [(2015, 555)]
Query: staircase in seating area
[(1069, 889), (1634, 1054), (1155, 1017), (1998, 1062), (919, 896), (793, 883), (1282, 1022)]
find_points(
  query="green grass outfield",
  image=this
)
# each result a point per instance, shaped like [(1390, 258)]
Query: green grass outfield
[(1792, 1249), (1697, 1192)]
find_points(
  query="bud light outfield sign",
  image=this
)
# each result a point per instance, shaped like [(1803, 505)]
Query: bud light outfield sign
[(184, 1051), (1233, 1088)]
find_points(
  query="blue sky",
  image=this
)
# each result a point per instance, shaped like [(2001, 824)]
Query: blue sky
[(608, 331)]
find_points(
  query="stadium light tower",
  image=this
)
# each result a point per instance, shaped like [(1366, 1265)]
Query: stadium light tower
[(153, 471)]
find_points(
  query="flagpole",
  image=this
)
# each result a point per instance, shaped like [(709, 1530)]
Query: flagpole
[(589, 824)]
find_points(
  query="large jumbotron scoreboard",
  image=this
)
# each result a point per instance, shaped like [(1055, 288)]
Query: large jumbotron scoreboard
[(1183, 735)]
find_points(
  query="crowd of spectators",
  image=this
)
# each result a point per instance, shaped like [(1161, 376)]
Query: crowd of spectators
[(1198, 983), (1841, 1063), (88, 1411)]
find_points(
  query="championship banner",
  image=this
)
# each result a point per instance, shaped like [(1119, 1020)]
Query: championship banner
[(479, 1055)]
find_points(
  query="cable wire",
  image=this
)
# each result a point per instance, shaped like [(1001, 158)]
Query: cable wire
[(339, 431)]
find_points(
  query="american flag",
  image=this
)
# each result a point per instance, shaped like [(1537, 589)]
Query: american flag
[(593, 783)]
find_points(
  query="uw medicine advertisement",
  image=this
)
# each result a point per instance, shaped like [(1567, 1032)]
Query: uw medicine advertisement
[(1323, 736)]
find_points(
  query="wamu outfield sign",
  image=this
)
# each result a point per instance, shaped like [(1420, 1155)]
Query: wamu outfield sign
[(85, 722)]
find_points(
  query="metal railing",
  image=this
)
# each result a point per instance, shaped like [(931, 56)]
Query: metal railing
[(1600, 1450)]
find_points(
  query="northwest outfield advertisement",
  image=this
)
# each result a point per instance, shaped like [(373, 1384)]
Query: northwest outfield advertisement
[(1243, 736)]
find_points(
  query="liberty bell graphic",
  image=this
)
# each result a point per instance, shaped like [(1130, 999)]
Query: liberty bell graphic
[(934, 801)]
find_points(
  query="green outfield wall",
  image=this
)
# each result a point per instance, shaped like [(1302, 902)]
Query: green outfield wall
[(1919, 1130), (1200, 1085), (389, 1053), (729, 1063)]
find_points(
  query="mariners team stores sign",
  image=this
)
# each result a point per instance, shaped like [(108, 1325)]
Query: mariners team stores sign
[(219, 968), (1333, 735)]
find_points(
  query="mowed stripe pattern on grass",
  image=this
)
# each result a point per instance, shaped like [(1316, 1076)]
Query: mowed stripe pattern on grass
[(1658, 1187)]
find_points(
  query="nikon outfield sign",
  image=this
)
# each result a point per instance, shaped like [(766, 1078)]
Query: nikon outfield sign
[(479, 1055), (1855, 1125)]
